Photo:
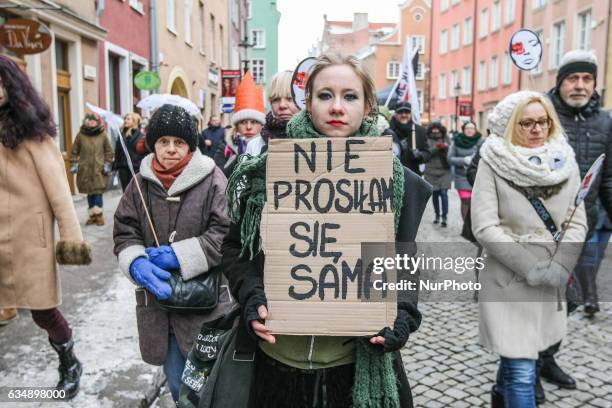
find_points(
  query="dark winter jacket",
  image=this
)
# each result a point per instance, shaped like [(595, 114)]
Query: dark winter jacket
[(195, 208), (456, 156), (473, 167), (246, 276), (91, 152), (437, 169), (589, 132), (130, 142), (411, 156), (216, 135)]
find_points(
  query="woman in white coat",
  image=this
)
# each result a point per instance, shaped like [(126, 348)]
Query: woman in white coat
[(526, 159)]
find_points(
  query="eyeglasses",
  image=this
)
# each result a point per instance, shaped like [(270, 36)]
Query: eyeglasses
[(530, 124)]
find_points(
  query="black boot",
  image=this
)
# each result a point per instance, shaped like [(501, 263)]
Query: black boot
[(70, 369), (437, 220), (552, 373), (444, 224), (540, 396), (587, 276), (497, 399)]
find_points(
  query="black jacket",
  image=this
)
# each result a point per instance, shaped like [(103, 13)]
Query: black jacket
[(120, 159), (589, 132), (216, 135), (411, 156)]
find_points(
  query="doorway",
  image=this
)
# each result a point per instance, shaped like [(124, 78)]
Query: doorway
[(63, 106)]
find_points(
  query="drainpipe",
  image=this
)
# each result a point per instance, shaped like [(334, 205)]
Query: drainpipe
[(99, 11), (474, 66), (154, 43)]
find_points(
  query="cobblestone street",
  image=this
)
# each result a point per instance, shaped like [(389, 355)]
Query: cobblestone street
[(448, 368)]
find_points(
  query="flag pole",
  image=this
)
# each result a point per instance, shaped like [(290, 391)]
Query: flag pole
[(144, 204)]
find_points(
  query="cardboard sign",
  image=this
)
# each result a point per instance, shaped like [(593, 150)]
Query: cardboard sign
[(23, 36), (325, 197)]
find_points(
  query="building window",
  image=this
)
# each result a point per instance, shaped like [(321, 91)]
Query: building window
[(442, 86), (484, 23), (482, 75), (507, 73), (393, 69), (114, 83), (187, 16), (468, 31), (584, 30), (509, 11), (258, 38), (558, 40), (418, 41), (202, 21), (213, 43), (443, 42), (443, 5), (453, 83), (455, 2), (258, 68), (171, 15), (466, 80), (421, 100), (222, 46), (455, 33), (537, 4), (420, 74), (495, 16), (493, 73), (137, 5), (538, 69)]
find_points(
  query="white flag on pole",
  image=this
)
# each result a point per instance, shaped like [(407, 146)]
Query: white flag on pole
[(406, 86)]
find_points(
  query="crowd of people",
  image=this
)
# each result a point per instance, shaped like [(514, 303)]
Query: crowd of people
[(187, 224)]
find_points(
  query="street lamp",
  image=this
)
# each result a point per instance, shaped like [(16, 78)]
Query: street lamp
[(457, 90), (246, 45)]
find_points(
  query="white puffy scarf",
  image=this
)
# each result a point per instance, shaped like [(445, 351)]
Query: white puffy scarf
[(547, 165)]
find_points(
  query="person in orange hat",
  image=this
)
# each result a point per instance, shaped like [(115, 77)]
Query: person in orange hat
[(249, 116)]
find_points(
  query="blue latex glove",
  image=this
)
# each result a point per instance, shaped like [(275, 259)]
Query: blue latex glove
[(151, 277), (163, 257)]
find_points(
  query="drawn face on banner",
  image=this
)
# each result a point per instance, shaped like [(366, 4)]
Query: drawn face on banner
[(525, 50), (298, 82)]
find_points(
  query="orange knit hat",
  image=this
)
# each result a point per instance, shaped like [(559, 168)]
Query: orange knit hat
[(249, 101)]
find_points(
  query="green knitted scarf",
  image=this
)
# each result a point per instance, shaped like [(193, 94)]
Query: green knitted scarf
[(247, 183), (375, 381)]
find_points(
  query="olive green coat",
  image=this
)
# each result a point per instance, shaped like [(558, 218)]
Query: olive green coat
[(91, 153)]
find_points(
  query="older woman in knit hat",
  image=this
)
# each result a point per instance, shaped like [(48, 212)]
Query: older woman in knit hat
[(523, 195), (184, 193)]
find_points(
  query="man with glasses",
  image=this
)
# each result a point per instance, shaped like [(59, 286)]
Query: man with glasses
[(589, 131)]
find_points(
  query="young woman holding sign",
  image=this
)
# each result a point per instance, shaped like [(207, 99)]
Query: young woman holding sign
[(304, 371)]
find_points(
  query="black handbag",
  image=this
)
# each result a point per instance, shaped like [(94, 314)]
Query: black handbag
[(220, 368), (196, 295)]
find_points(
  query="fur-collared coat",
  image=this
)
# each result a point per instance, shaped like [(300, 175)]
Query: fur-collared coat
[(34, 193), (195, 208)]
